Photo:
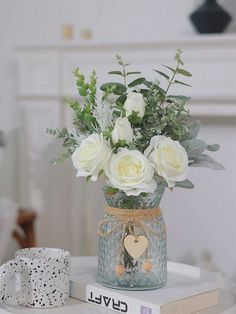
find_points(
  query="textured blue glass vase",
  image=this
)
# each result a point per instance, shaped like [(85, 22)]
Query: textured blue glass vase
[(118, 267)]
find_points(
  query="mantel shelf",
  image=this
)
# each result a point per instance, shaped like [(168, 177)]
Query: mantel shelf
[(206, 40), (45, 71)]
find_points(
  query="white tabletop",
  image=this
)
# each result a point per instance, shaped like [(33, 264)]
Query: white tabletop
[(77, 307)]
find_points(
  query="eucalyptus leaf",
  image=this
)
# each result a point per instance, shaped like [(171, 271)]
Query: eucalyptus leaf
[(121, 99), (151, 84), (206, 161), (186, 184), (162, 74), (159, 88), (119, 88), (184, 72), (143, 91), (116, 73), (213, 147), (194, 147), (182, 83), (179, 97), (131, 73), (136, 82), (170, 68), (147, 83)]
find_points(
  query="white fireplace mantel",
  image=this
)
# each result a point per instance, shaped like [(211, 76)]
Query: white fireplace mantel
[(45, 72)]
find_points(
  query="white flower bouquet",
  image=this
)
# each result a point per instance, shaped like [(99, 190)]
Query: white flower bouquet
[(136, 134), (142, 140)]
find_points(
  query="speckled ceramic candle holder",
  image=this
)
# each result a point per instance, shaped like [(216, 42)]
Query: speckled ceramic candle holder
[(41, 278)]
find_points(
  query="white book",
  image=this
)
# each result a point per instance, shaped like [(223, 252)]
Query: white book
[(185, 292)]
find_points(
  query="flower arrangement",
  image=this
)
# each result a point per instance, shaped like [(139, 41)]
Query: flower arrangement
[(137, 135), (142, 139)]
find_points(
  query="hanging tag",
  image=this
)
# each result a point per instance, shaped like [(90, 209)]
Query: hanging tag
[(135, 246)]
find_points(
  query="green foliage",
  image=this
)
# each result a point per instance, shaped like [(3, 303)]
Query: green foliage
[(180, 98), (86, 90), (133, 72), (123, 72), (162, 74), (184, 72), (110, 190), (165, 114), (137, 82), (213, 147), (193, 129), (178, 57), (194, 147), (134, 118), (206, 161), (181, 83), (69, 143), (115, 88), (116, 73), (186, 184)]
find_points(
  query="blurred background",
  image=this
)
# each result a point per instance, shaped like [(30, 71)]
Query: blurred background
[(41, 42)]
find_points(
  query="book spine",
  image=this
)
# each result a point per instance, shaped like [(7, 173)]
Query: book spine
[(112, 300)]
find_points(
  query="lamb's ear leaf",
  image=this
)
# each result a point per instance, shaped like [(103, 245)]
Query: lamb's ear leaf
[(213, 147), (193, 130), (206, 161), (194, 147), (186, 184)]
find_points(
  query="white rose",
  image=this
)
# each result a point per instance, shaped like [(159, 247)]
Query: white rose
[(131, 172), (91, 156), (134, 102), (169, 159), (122, 131)]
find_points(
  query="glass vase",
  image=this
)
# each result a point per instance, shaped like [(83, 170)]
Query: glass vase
[(132, 251)]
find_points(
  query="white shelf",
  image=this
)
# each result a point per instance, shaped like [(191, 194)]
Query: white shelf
[(204, 40), (45, 71)]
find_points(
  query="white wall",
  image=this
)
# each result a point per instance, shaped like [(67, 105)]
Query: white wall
[(210, 226), (39, 22)]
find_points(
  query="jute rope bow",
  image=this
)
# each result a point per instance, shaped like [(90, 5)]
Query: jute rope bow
[(128, 217)]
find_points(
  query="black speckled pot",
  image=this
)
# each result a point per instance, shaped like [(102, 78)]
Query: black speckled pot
[(43, 280)]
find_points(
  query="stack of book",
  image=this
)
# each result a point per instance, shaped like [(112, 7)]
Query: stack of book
[(185, 292)]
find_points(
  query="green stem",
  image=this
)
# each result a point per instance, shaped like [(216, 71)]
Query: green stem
[(171, 82), (124, 75), (172, 79)]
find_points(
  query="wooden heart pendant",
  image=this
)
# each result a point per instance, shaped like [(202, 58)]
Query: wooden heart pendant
[(135, 246)]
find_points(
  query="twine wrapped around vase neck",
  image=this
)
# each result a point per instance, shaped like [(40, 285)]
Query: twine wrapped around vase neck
[(137, 213), (129, 216)]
